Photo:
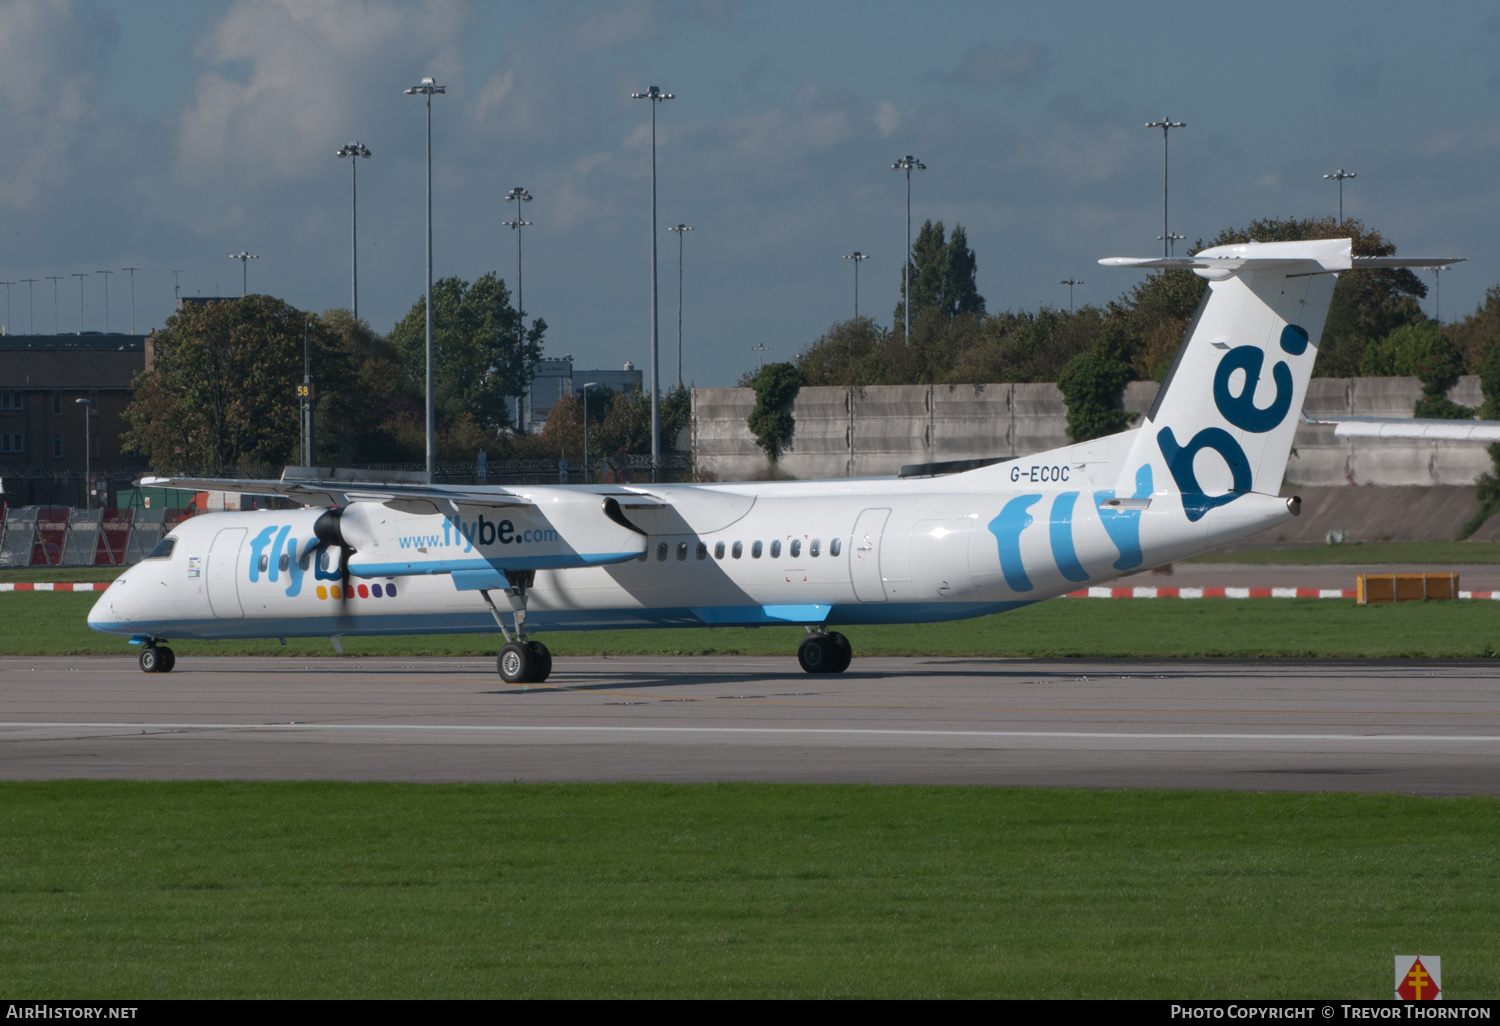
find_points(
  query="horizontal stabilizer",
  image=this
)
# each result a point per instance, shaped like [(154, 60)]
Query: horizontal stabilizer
[(1323, 256), (1407, 427)]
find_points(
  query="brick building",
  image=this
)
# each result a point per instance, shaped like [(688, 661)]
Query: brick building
[(42, 423)]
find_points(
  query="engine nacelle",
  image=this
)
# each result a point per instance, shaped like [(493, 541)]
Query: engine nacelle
[(561, 529)]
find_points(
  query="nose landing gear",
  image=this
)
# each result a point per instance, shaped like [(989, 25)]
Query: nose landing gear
[(825, 653), (156, 658), (520, 661)]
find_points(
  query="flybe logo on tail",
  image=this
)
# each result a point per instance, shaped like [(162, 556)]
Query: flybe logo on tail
[(1240, 411)]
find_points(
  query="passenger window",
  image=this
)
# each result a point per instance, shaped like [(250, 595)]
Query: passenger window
[(776, 549), (645, 554), (661, 553), (796, 547), (812, 550), (739, 549), (755, 550), (306, 561), (265, 562), (163, 549), (681, 551), (834, 546), (284, 562), (702, 551), (719, 550)]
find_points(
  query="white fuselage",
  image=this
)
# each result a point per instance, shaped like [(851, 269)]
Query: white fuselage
[(874, 550)]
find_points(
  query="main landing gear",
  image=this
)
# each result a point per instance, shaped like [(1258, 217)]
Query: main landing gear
[(520, 661), (156, 658), (824, 652)]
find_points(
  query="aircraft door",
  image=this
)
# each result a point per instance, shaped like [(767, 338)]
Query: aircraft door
[(940, 559), (864, 555), (223, 574)]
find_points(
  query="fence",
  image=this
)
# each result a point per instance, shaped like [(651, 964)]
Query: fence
[(60, 536)]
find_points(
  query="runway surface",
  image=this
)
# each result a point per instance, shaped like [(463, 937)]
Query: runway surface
[(1423, 727)]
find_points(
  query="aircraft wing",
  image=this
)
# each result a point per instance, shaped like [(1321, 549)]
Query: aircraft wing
[(406, 491), (1408, 427)]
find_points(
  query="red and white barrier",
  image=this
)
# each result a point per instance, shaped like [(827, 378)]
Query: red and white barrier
[(55, 586), (1241, 593)]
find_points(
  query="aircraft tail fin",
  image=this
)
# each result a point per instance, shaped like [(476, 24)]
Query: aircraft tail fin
[(1223, 422)]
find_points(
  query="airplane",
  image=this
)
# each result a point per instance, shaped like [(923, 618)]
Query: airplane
[(1202, 469)]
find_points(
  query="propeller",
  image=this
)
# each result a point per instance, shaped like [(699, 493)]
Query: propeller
[(329, 530)]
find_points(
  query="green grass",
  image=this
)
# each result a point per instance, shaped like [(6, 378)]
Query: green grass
[(1363, 554), (66, 573), (54, 624), (158, 890)]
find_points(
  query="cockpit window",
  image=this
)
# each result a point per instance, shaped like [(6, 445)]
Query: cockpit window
[(163, 549)]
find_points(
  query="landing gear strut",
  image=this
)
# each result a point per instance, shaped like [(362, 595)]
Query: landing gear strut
[(824, 653), (520, 661), (156, 658)]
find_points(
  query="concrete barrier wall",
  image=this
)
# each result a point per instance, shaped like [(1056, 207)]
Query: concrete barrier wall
[(876, 429)]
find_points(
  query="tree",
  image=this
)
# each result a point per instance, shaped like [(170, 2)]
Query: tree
[(1367, 305), (944, 275), (1478, 334), (1421, 351), (775, 385), (1092, 384), (481, 353), (221, 393), (376, 416)]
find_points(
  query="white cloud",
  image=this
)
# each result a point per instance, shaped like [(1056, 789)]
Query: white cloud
[(49, 104), (315, 72), (887, 118), (492, 95)]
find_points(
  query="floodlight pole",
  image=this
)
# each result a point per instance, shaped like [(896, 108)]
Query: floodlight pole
[(7, 285), (1166, 124), (586, 386), (88, 471), (762, 349), (357, 151), (80, 278), (429, 88), (858, 259), (30, 302), (907, 163), (680, 230), (244, 258), (656, 96), (1339, 176), (1070, 282), (132, 271)]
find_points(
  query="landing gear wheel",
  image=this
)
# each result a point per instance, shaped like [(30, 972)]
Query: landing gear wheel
[(168, 659), (843, 652), (543, 661), (517, 663), (817, 654), (151, 659)]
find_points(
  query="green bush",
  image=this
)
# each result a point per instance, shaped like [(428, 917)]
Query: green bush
[(1092, 384), (775, 385)]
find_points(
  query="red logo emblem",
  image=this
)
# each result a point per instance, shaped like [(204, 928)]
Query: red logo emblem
[(1415, 981)]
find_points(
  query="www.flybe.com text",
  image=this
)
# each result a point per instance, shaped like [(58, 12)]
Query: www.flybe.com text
[(478, 532)]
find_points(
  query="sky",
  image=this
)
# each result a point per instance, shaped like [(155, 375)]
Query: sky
[(166, 135)]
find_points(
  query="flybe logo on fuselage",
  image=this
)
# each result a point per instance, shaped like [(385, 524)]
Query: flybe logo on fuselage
[(1239, 411), (479, 531)]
